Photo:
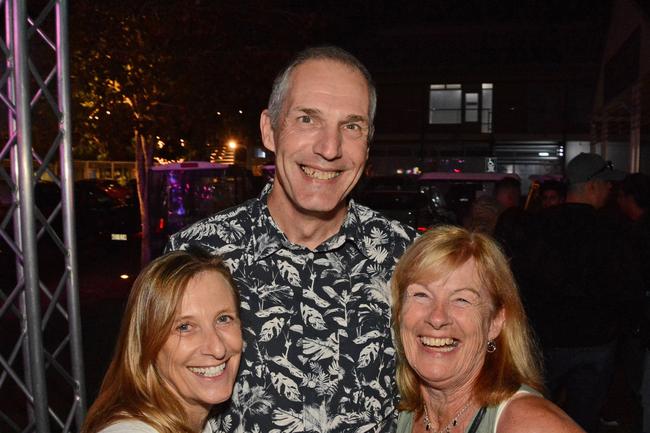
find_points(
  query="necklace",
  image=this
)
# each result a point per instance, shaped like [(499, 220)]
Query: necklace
[(453, 423)]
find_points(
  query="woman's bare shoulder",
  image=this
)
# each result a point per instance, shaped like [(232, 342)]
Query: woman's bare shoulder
[(129, 426), (534, 414)]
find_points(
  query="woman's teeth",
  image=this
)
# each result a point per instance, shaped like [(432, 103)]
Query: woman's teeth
[(208, 371), (448, 343)]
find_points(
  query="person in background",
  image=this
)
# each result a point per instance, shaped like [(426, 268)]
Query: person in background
[(178, 349), (483, 215), (552, 193), (510, 224), (507, 192), (634, 202), (579, 288), (312, 265), (466, 357)]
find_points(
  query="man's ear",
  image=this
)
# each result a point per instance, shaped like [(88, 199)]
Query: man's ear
[(267, 131)]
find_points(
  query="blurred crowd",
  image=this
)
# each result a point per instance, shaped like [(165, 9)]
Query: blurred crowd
[(580, 251)]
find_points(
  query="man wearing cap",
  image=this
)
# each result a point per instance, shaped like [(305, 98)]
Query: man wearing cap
[(577, 289)]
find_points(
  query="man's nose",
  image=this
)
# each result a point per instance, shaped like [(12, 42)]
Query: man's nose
[(328, 144)]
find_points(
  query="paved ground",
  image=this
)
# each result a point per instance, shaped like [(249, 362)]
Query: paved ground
[(102, 295)]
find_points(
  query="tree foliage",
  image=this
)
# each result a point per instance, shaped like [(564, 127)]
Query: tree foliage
[(144, 72)]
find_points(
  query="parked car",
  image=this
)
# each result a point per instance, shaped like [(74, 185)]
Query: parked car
[(99, 216), (451, 194), (388, 183), (104, 211), (183, 193), (112, 188), (398, 198)]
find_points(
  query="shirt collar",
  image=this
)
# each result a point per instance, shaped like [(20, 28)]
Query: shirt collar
[(269, 238)]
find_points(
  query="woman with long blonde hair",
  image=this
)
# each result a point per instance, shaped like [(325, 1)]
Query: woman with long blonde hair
[(178, 349), (466, 358)]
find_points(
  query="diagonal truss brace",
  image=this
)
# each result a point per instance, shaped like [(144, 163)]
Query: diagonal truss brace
[(28, 298)]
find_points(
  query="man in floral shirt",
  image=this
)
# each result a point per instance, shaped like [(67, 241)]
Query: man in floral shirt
[(312, 266)]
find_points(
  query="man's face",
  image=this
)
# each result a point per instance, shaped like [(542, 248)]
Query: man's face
[(551, 197), (508, 197), (625, 203), (600, 192), (321, 140)]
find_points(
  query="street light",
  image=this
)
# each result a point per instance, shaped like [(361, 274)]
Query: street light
[(232, 144)]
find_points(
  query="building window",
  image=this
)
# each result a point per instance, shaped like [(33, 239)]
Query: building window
[(445, 104), (486, 108), (452, 104), (471, 107)]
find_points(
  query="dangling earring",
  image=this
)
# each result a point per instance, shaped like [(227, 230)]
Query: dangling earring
[(491, 346)]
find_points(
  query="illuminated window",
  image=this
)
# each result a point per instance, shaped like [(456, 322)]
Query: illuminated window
[(445, 104), (471, 107), (486, 108), (453, 104)]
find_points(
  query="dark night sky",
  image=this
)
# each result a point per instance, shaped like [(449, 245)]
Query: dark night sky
[(227, 52)]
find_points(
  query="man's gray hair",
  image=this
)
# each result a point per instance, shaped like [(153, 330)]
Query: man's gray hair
[(336, 54)]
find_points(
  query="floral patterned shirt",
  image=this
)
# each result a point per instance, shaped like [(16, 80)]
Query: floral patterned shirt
[(318, 353)]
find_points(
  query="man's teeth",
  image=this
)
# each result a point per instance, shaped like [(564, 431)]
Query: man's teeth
[(317, 174), (439, 342), (208, 371)]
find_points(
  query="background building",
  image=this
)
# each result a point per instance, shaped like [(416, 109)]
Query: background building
[(519, 89)]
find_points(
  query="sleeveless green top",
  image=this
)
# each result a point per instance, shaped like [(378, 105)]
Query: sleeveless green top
[(488, 424)]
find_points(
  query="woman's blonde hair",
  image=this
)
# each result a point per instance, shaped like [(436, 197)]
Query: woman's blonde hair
[(434, 256), (132, 387)]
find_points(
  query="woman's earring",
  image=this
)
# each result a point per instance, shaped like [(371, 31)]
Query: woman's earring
[(491, 346)]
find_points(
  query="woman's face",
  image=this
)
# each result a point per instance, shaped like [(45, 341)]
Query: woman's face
[(200, 358), (445, 327)]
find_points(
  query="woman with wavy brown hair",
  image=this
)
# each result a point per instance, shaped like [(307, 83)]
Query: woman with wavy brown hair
[(466, 358), (178, 349)]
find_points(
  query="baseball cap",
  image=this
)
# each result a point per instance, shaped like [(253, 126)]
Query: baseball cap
[(590, 166)]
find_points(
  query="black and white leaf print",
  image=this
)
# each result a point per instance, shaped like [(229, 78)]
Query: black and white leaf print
[(294, 258), (200, 231), (285, 386), (271, 311), (315, 323), (226, 422), (330, 292), (288, 271), (312, 317), (378, 236), (320, 349), (368, 354), (310, 294), (367, 336), (289, 420), (284, 362), (230, 232), (271, 329)]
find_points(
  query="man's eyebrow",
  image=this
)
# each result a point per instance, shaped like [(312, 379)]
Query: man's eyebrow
[(355, 118), (308, 111)]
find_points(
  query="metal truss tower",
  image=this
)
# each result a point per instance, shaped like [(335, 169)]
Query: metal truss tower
[(41, 366)]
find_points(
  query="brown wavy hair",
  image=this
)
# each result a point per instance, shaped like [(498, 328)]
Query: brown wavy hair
[(132, 387), (435, 255)]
